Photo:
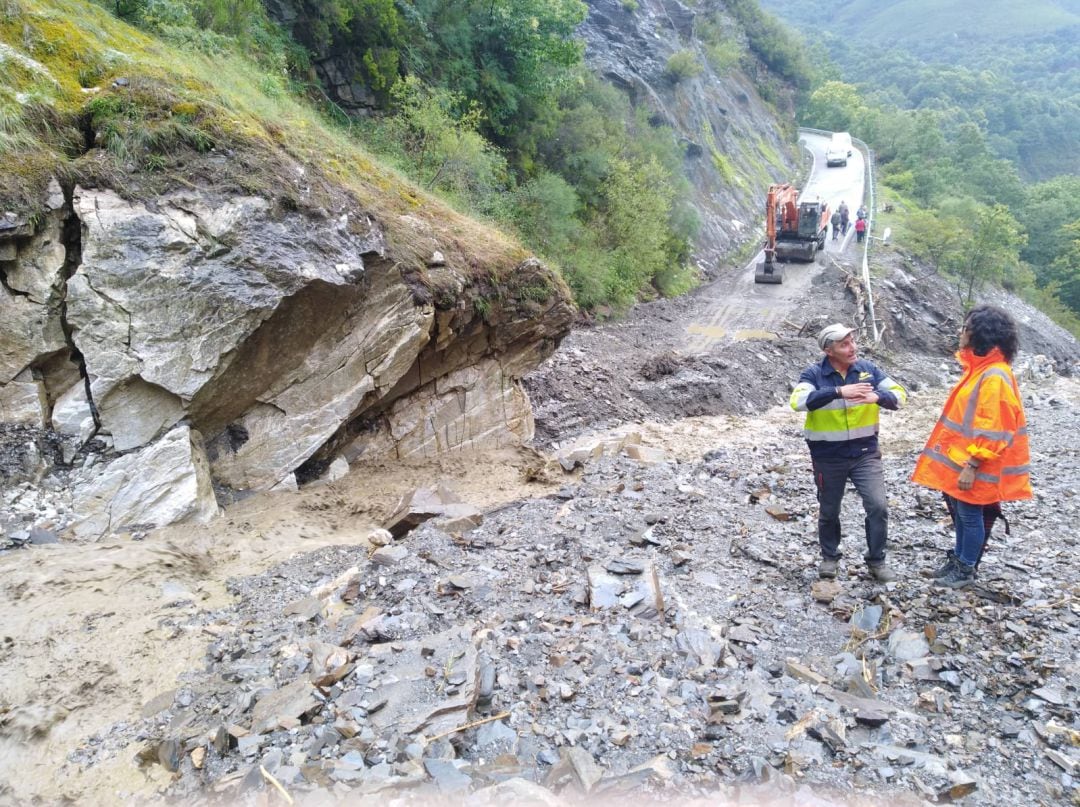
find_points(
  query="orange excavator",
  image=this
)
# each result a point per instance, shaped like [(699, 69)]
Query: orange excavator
[(794, 230)]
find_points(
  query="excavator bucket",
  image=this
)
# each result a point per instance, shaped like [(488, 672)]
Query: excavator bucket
[(769, 273)]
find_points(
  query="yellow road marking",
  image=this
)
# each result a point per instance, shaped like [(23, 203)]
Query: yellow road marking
[(712, 331), (716, 332)]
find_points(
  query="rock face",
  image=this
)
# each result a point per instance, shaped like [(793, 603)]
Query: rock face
[(286, 339), (30, 324), (727, 131)]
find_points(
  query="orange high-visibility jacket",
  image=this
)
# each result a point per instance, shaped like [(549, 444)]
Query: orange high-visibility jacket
[(983, 418)]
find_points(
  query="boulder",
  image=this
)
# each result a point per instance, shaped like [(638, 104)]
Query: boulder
[(72, 410), (287, 337), (164, 483)]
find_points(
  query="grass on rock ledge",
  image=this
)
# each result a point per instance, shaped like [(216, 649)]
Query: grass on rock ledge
[(87, 98)]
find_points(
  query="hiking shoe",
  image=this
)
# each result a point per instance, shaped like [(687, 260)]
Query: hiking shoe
[(882, 573), (826, 570), (959, 576), (943, 569)]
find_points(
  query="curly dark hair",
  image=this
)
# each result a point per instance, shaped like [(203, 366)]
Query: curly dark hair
[(989, 327)]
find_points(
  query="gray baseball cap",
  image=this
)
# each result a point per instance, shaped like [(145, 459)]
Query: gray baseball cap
[(833, 333)]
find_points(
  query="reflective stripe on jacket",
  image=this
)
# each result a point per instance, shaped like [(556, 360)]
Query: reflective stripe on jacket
[(836, 428), (982, 418)]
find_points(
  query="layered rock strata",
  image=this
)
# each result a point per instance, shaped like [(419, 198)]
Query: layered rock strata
[(255, 343)]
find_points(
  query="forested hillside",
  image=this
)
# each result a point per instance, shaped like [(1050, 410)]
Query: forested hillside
[(1008, 68), (972, 110), (922, 25)]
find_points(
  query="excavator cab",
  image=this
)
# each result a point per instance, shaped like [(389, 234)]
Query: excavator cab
[(810, 214)]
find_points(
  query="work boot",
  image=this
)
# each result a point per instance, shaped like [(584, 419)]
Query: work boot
[(959, 576), (943, 569), (882, 573), (826, 570)]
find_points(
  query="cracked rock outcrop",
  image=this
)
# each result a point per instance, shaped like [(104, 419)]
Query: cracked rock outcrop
[(254, 343)]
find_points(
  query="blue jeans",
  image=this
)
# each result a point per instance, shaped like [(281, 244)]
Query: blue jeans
[(970, 532)]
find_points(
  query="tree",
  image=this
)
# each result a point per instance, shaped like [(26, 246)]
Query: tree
[(437, 130), (834, 106), (637, 203), (1063, 275), (546, 212), (374, 31), (508, 55), (1047, 208), (987, 250), (933, 236)]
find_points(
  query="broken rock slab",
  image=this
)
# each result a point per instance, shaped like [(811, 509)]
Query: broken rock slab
[(291, 702), (71, 411), (459, 518), (167, 482), (415, 702), (638, 592), (22, 402), (645, 454), (594, 447), (904, 645), (424, 504), (825, 590)]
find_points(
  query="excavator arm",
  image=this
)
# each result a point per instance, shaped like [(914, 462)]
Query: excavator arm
[(781, 213)]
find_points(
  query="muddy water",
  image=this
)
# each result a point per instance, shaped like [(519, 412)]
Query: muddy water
[(92, 632)]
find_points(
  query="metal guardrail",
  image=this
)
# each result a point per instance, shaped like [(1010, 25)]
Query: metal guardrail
[(868, 198)]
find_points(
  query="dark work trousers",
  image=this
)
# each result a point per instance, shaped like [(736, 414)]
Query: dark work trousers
[(866, 475)]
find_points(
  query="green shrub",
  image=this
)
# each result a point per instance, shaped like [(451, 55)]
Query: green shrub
[(587, 270), (482, 306), (723, 166), (683, 64), (160, 15), (545, 211), (434, 136), (676, 279), (722, 49)]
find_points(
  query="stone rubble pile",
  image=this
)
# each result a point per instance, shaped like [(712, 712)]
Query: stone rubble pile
[(654, 628)]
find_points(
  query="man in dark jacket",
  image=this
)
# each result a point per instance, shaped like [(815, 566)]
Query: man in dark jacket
[(842, 395)]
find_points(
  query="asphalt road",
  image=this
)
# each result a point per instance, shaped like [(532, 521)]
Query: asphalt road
[(734, 306)]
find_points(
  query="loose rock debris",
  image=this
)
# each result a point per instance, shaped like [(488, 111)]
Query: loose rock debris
[(552, 650)]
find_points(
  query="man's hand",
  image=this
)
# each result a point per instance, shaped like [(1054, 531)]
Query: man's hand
[(967, 478), (855, 392)]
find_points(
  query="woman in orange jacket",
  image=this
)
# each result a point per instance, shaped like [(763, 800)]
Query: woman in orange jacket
[(977, 453)]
